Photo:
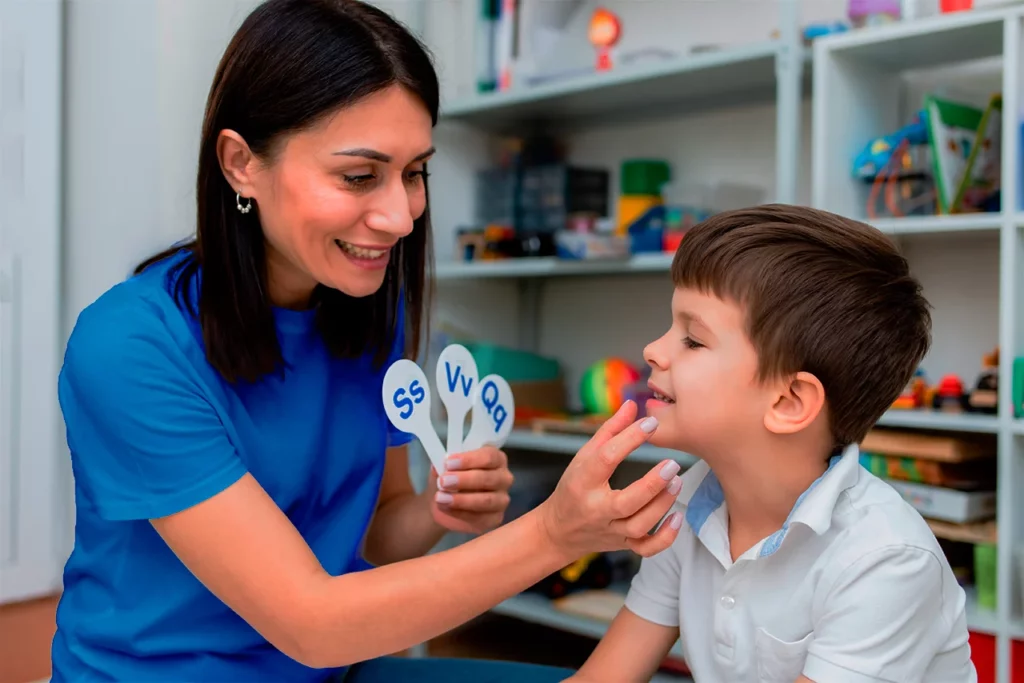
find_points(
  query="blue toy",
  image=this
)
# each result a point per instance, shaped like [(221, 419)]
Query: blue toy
[(876, 154)]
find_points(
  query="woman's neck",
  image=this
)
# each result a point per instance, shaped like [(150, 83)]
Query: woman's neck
[(287, 286)]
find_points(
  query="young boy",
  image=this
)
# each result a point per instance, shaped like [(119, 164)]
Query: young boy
[(793, 331)]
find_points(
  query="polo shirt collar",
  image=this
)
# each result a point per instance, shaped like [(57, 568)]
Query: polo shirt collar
[(702, 496)]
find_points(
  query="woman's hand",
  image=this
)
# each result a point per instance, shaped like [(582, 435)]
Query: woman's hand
[(472, 495), (584, 514)]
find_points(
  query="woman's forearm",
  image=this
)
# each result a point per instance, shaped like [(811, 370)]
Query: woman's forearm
[(402, 529), (390, 608)]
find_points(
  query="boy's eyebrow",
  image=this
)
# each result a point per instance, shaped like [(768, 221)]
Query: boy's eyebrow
[(688, 317)]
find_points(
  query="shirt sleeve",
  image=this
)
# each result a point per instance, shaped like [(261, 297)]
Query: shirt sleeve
[(396, 437), (145, 442), (654, 592), (883, 620)]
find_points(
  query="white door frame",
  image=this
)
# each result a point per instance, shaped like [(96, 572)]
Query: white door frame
[(32, 500)]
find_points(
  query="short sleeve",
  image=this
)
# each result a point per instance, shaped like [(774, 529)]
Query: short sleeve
[(885, 618), (145, 442), (396, 437), (654, 592)]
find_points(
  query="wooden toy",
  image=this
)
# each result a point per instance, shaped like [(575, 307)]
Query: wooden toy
[(984, 398)]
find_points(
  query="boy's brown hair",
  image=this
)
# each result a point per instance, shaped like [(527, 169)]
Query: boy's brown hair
[(822, 294)]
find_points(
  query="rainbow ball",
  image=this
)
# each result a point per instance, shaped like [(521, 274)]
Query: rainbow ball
[(604, 384)]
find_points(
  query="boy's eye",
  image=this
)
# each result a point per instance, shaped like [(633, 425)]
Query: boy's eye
[(691, 344)]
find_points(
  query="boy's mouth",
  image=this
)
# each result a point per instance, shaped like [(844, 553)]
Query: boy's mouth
[(659, 395)]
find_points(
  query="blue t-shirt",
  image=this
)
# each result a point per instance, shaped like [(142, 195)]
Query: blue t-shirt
[(153, 429)]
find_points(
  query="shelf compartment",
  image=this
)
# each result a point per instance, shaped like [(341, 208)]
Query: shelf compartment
[(928, 225), (732, 76), (570, 444), (926, 43), (939, 421), (551, 266), (538, 609)]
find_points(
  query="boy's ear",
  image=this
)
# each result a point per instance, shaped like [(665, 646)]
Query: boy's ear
[(797, 403)]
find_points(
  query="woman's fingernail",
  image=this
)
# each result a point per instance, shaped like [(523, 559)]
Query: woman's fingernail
[(674, 486), (670, 470), (454, 463), (448, 481), (649, 425), (676, 520), (443, 498)]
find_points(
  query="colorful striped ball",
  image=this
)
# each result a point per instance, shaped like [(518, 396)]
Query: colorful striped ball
[(604, 383)]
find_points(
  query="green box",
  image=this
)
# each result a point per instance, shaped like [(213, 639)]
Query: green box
[(644, 176), (985, 574), (513, 365)]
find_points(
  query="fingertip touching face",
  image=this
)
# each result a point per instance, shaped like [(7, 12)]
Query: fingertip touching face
[(704, 372), (337, 197)]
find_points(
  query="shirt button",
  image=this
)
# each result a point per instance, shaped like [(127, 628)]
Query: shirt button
[(728, 602)]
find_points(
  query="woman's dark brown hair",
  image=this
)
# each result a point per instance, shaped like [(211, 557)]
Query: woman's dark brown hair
[(291, 63)]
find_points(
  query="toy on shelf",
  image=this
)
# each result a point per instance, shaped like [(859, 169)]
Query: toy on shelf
[(966, 178), (590, 572), (984, 398), (604, 32), (864, 13), (914, 395), (640, 189), (949, 395), (604, 384), (897, 166)]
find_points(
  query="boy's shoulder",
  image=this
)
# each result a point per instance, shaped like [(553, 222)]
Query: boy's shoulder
[(847, 517)]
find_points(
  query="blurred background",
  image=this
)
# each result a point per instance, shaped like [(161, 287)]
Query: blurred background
[(579, 141)]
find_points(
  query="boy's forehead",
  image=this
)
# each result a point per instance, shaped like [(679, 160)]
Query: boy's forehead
[(694, 306)]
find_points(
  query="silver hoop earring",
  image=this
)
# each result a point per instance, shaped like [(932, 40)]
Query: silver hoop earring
[(243, 209)]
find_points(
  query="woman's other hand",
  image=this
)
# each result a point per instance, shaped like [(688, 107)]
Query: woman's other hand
[(585, 514), (472, 495)]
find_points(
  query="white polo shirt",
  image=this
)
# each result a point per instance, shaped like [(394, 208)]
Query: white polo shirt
[(853, 589)]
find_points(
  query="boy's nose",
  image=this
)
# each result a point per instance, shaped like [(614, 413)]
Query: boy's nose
[(652, 357)]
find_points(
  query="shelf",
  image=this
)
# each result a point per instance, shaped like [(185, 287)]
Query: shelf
[(551, 266), (980, 619), (570, 444), (926, 43), (950, 422), (538, 609), (1018, 426), (725, 77), (927, 225)]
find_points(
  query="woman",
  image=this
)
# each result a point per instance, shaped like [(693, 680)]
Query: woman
[(232, 458)]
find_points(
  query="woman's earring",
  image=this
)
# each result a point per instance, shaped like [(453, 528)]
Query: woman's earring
[(243, 209)]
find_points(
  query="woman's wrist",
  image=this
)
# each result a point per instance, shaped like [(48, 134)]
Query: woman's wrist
[(549, 541)]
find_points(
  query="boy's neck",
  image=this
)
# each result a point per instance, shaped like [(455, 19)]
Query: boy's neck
[(762, 487)]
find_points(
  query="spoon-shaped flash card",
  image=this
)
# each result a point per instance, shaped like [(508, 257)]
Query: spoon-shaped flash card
[(406, 395), (456, 383), (493, 414)]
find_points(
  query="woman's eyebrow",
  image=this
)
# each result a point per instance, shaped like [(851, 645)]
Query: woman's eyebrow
[(374, 155)]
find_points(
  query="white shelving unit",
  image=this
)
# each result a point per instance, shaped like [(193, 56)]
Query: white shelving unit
[(860, 85), (861, 80)]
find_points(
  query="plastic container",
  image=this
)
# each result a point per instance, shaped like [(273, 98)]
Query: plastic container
[(644, 176), (513, 365)]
